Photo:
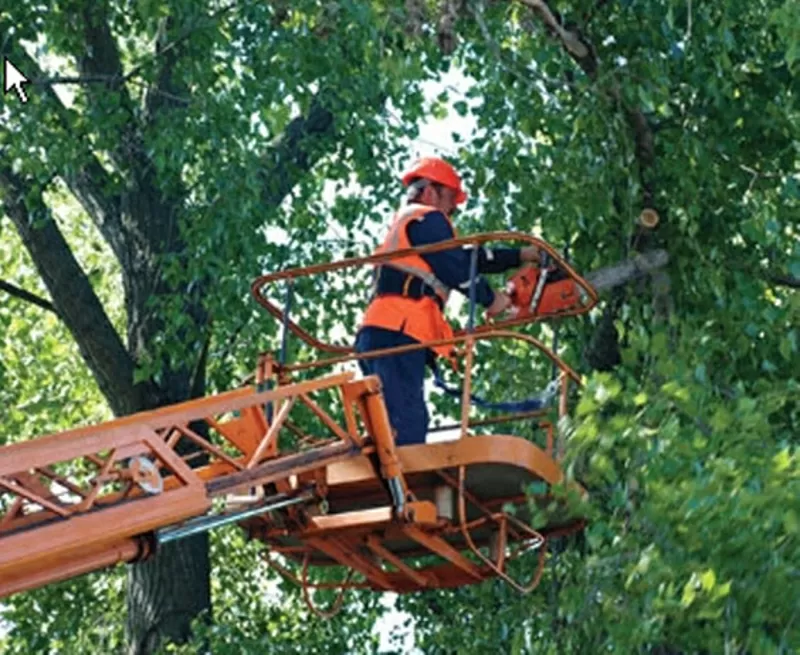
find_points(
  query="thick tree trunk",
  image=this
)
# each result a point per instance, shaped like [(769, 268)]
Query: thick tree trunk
[(170, 590), (166, 593)]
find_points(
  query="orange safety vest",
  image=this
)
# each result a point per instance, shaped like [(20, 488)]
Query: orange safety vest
[(419, 318)]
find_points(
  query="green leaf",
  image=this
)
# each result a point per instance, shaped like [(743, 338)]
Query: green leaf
[(708, 579), (658, 345), (782, 461), (689, 593), (785, 348), (721, 590), (791, 522)]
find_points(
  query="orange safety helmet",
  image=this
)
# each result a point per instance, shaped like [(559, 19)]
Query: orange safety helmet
[(438, 170)]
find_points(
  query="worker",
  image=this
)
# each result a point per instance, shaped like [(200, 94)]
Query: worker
[(410, 292)]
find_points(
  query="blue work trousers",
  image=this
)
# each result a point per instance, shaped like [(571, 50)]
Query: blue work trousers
[(402, 377)]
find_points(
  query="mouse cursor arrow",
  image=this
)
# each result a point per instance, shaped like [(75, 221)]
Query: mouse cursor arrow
[(14, 79)]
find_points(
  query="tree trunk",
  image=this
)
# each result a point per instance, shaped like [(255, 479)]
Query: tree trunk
[(166, 593), (171, 589)]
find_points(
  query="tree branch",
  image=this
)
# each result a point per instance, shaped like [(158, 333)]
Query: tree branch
[(150, 215), (73, 297), (89, 182), (304, 141), (785, 281), (101, 57), (163, 48), (27, 296), (293, 155), (43, 80), (582, 52), (159, 94), (166, 87), (610, 277), (603, 352), (104, 79), (572, 41)]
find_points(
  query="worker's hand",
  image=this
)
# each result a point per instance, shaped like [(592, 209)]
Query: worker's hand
[(530, 254), (500, 304)]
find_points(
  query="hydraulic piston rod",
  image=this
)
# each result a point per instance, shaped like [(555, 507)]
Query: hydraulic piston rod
[(206, 523)]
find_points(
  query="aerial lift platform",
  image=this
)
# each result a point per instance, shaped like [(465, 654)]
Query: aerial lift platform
[(402, 519)]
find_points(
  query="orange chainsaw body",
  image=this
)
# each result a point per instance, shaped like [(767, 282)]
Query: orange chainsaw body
[(556, 296)]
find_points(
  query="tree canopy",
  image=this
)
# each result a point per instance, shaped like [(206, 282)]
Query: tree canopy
[(171, 151)]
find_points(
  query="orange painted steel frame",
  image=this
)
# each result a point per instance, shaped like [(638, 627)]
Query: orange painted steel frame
[(90, 520), (102, 517), (87, 498), (71, 502), (341, 537)]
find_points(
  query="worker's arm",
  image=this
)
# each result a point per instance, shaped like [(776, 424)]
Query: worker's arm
[(453, 266), (498, 260)]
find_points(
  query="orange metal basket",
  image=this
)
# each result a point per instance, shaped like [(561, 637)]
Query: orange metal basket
[(400, 519)]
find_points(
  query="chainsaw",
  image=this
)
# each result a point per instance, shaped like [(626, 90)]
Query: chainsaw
[(541, 291)]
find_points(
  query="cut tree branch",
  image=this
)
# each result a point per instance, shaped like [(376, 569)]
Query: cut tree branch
[(73, 297), (610, 277), (603, 351), (27, 296)]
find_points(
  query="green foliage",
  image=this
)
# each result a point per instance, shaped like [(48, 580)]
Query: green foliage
[(787, 22), (689, 448), (44, 385), (257, 611), (84, 615)]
